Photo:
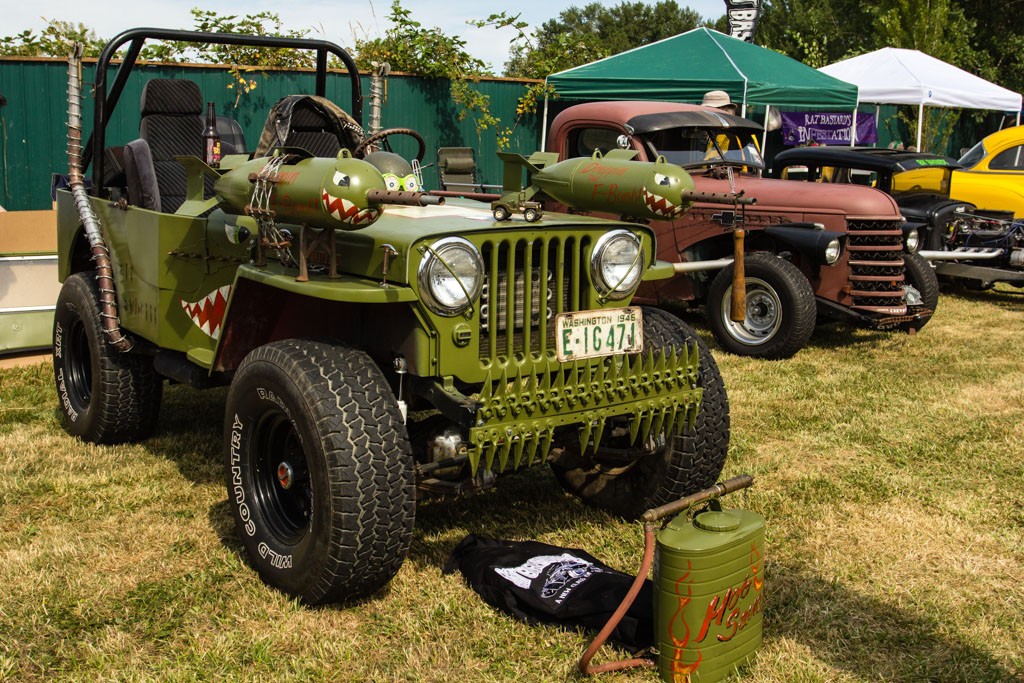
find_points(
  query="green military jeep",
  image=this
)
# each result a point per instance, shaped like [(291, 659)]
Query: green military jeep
[(377, 348)]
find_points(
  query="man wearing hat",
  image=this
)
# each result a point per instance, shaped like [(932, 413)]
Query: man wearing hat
[(719, 99)]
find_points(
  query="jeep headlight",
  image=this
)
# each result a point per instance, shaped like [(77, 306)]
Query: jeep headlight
[(616, 264), (832, 251), (912, 240), (451, 275)]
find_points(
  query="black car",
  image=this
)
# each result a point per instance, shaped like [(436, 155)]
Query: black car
[(977, 247)]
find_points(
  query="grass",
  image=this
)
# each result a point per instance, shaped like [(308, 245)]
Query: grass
[(890, 470)]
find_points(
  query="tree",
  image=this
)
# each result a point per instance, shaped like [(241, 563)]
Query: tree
[(816, 33), (822, 33), (258, 24), (935, 27), (997, 35), (583, 34), (408, 46), (53, 41), (56, 39)]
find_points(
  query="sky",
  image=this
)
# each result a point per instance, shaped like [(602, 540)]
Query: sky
[(340, 21)]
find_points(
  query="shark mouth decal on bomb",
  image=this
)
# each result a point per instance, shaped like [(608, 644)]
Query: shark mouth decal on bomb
[(341, 209), (661, 206), (208, 312), (344, 211)]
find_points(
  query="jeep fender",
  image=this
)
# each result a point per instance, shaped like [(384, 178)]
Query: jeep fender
[(267, 306)]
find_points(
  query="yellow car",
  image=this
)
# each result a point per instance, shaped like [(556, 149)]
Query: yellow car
[(993, 173)]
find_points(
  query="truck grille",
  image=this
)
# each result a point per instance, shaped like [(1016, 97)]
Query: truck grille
[(876, 264), (517, 311)]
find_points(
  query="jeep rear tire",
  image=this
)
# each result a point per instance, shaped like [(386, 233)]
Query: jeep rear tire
[(105, 396), (919, 274), (319, 470), (781, 310), (677, 465)]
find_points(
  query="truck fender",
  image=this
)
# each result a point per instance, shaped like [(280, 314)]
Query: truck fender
[(807, 238)]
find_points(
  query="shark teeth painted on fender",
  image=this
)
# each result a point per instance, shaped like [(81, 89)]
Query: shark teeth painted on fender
[(344, 211), (208, 312), (661, 206)]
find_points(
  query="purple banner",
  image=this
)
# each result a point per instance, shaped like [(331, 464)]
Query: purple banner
[(826, 128), (743, 16)]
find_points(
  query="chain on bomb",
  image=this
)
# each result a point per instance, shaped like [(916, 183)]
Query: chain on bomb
[(343, 193)]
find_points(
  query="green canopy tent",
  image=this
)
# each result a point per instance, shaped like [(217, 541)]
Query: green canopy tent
[(684, 67)]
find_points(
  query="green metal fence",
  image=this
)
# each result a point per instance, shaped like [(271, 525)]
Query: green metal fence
[(33, 140)]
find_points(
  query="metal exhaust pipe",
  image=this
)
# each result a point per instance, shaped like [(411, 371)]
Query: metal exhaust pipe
[(961, 255)]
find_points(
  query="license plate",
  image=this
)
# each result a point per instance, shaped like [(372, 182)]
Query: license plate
[(588, 334)]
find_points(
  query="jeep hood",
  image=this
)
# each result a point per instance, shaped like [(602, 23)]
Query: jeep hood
[(405, 229)]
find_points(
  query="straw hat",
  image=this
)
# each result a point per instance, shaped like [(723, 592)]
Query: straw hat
[(717, 98)]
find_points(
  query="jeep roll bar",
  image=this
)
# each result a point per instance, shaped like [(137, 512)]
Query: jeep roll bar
[(105, 101)]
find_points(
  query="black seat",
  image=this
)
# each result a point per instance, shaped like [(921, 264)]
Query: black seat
[(140, 176), (312, 123), (311, 131), (172, 125)]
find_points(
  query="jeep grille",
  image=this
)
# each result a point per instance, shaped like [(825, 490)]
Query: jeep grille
[(517, 313), (876, 264)]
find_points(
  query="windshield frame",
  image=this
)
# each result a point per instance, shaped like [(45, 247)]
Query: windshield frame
[(973, 156), (747, 154)]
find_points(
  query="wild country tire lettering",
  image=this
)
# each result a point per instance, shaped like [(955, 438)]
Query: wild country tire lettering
[(236, 478), (62, 386), (277, 560)]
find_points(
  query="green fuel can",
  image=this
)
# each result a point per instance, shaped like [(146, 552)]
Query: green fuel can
[(708, 593)]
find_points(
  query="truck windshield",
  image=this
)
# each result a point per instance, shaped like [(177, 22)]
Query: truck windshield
[(690, 147), (973, 155), (933, 180)]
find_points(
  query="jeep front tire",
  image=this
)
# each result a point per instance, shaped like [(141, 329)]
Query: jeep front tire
[(670, 466), (319, 470)]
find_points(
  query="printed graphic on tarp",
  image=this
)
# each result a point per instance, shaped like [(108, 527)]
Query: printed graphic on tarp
[(541, 583), (826, 128), (743, 16)]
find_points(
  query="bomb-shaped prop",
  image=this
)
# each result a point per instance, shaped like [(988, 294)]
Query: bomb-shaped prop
[(612, 183), (342, 193)]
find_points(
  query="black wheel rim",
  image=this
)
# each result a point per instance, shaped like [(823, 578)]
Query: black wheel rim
[(79, 364), (284, 492)]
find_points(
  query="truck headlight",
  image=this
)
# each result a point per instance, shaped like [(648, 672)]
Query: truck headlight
[(616, 264), (832, 252), (451, 275), (911, 240)]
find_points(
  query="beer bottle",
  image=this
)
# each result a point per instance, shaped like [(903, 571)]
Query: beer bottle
[(211, 138)]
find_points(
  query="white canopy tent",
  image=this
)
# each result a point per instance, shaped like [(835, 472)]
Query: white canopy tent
[(897, 76)]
